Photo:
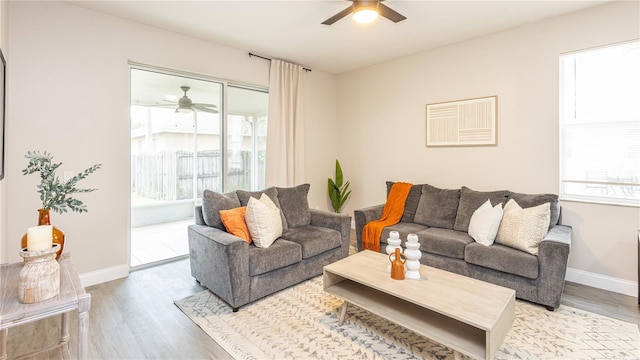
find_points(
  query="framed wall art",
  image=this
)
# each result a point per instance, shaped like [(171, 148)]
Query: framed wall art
[(471, 122)]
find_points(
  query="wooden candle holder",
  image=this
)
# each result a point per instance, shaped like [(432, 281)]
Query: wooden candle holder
[(39, 276)]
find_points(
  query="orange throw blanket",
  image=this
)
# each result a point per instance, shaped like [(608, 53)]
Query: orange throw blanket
[(391, 214)]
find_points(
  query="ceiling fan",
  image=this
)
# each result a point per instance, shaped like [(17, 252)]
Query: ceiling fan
[(366, 11), (185, 104)]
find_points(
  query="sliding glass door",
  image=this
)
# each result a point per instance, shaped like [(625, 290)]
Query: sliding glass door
[(188, 134)]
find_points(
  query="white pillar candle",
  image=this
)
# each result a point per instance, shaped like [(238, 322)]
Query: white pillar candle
[(39, 238)]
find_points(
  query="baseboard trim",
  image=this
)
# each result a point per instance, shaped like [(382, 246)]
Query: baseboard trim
[(104, 275), (603, 282)]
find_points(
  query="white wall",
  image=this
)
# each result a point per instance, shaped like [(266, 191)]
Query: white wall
[(69, 95), (382, 128)]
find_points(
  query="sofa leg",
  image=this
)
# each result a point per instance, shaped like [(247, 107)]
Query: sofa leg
[(236, 309), (550, 308)]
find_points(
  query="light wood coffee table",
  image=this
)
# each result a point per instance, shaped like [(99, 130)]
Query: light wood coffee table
[(470, 316)]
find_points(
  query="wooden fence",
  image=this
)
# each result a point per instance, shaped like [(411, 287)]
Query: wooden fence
[(169, 175)]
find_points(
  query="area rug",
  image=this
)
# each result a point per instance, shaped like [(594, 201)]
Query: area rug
[(301, 322)]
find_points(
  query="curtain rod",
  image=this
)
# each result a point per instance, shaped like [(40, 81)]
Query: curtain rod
[(266, 58)]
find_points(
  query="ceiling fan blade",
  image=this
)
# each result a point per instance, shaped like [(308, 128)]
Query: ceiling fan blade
[(206, 105), (338, 16), (199, 107), (157, 105), (390, 13)]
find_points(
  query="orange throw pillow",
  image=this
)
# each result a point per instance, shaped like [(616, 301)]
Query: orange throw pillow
[(235, 224)]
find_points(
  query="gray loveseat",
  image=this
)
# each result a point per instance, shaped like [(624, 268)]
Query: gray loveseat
[(239, 272), (445, 243)]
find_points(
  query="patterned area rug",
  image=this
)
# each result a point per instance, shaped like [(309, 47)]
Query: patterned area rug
[(301, 322)]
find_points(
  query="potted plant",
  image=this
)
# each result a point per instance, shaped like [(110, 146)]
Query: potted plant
[(55, 193), (338, 191)]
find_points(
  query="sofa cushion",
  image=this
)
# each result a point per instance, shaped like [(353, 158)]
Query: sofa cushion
[(523, 229), (294, 205), (502, 258), (445, 242), (213, 202), (313, 239), (263, 221), (403, 228), (411, 204), (531, 200), (437, 207), (235, 223), (470, 201), (485, 222), (271, 192), (280, 254)]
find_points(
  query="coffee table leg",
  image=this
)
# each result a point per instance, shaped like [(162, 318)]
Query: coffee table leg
[(343, 312)]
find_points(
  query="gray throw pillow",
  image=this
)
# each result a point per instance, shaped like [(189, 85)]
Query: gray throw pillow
[(213, 202), (411, 204), (271, 192), (437, 207), (294, 205), (471, 200), (531, 200)]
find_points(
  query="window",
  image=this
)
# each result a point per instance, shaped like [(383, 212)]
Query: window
[(217, 143), (600, 125)]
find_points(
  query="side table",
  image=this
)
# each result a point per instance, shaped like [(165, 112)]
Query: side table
[(72, 297)]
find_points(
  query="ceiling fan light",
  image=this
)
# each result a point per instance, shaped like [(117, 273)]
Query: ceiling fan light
[(183, 109), (365, 15)]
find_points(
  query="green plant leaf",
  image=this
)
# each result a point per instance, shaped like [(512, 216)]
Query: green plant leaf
[(339, 177)]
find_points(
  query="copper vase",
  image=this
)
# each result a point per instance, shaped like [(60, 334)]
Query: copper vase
[(58, 234)]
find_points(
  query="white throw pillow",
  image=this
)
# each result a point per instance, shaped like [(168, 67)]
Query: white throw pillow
[(484, 223), (524, 229), (263, 221)]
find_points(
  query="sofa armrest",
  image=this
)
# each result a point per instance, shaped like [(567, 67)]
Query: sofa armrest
[(363, 216), (220, 261), (553, 255), (339, 222)]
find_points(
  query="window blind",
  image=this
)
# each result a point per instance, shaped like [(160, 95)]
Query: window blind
[(600, 125)]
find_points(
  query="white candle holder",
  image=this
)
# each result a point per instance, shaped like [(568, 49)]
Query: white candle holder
[(39, 276), (413, 255), (393, 242)]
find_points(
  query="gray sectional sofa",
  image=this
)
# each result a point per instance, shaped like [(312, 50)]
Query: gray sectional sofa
[(239, 272), (445, 243)]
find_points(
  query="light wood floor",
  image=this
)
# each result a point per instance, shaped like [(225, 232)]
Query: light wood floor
[(135, 318)]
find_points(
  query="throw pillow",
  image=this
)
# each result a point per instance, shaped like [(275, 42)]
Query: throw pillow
[(485, 222), (213, 202), (470, 200), (531, 200), (294, 205), (271, 192), (524, 229), (437, 207), (263, 221), (235, 224)]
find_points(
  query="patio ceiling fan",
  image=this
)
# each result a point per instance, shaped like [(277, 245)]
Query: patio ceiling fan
[(365, 11), (185, 104)]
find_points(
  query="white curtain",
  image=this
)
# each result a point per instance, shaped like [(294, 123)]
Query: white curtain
[(285, 126)]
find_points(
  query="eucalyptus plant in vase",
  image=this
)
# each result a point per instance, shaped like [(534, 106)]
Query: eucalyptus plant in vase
[(55, 193)]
